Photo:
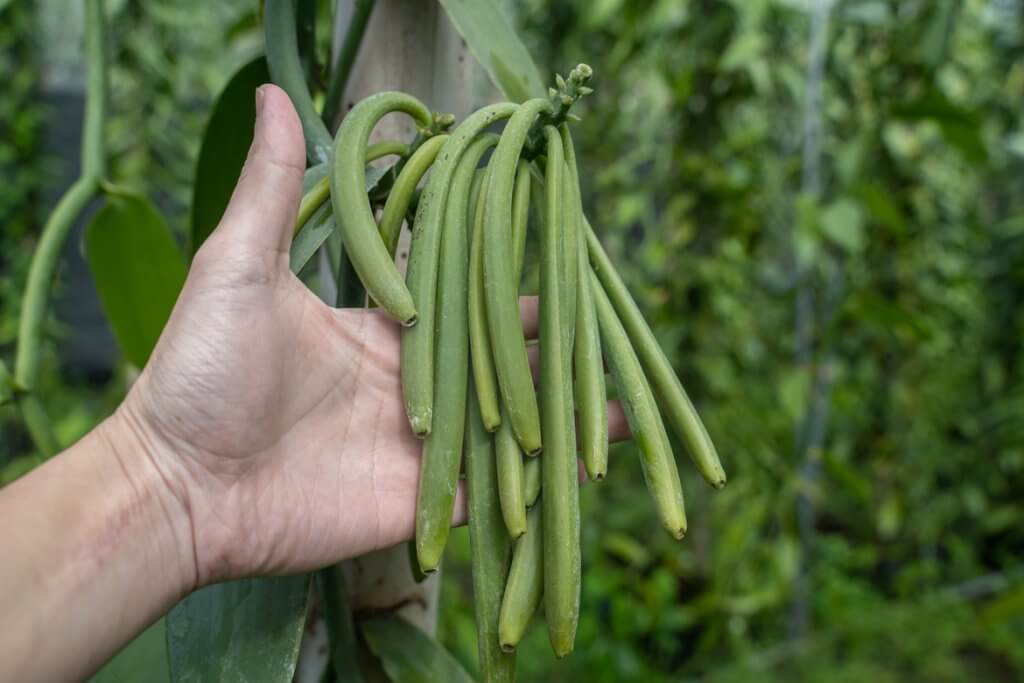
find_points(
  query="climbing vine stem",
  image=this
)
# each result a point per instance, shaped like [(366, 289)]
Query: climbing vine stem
[(28, 353)]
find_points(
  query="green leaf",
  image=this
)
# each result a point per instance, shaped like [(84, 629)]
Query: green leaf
[(224, 148), (495, 44), (313, 234), (409, 655), (313, 175), (871, 13), (341, 630), (882, 207), (842, 222), (138, 270), (744, 50), (937, 36), (794, 388), (967, 140), (143, 659), (1005, 607), (247, 630), (934, 105)]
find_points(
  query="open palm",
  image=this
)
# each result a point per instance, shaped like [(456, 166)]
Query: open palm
[(276, 420)]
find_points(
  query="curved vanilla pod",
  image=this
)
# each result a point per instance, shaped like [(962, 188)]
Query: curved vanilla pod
[(352, 211)]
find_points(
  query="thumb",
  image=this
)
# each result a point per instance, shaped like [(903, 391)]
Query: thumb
[(261, 213)]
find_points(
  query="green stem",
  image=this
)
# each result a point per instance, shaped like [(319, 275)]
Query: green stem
[(38, 424), (312, 201), (387, 148), (286, 71), (305, 24), (342, 68), (27, 356), (93, 162), (40, 275)]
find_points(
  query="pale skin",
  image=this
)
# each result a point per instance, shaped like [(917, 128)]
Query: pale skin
[(266, 435)]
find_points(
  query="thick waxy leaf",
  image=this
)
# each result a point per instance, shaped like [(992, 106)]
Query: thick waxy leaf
[(247, 630), (143, 659), (225, 145), (495, 44), (341, 630), (408, 655), (138, 271), (311, 237)]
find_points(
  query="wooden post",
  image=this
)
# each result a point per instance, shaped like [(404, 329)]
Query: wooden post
[(409, 45)]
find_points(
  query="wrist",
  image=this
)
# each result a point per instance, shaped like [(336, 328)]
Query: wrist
[(158, 496)]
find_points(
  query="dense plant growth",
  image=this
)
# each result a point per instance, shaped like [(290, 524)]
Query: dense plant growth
[(887, 547)]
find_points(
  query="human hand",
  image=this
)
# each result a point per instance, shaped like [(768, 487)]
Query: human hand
[(274, 420)]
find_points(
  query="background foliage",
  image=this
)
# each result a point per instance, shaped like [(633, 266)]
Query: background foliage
[(851, 338)]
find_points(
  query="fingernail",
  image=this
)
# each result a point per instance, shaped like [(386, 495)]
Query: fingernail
[(260, 96)]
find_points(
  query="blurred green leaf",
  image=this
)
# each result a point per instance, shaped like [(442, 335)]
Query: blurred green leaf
[(889, 517), (794, 389), (18, 467), (1008, 606), (966, 139), (870, 12), (409, 655), (143, 659), (6, 384), (934, 45), (934, 105), (495, 44), (842, 222), (743, 50), (138, 271), (627, 549), (880, 205), (247, 630), (225, 145)]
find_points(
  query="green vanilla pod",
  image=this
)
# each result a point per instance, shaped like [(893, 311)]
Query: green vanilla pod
[(559, 470), (442, 448), (417, 351), (641, 408), (671, 396), (502, 296), (352, 211)]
